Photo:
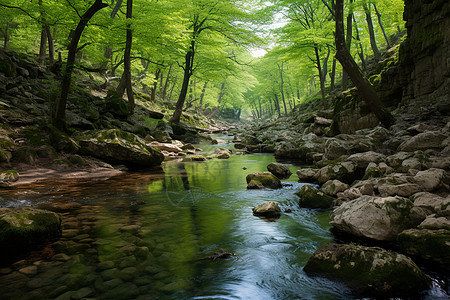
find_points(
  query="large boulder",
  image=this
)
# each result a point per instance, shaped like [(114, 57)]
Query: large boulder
[(431, 202), (427, 244), (279, 170), (310, 197), (118, 146), (269, 209), (23, 227), (423, 141), (370, 270), (362, 160), (262, 180), (431, 179), (332, 187), (377, 218), (307, 174), (346, 172)]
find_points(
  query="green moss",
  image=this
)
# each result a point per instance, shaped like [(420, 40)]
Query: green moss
[(372, 172), (313, 198)]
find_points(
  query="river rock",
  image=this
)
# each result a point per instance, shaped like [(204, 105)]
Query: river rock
[(430, 202), (427, 244), (165, 146), (345, 171), (269, 209), (332, 187), (9, 176), (22, 227), (376, 218), (362, 160), (368, 269), (307, 174), (435, 222), (262, 180), (423, 141), (311, 197), (404, 189), (279, 170), (431, 179), (121, 147)]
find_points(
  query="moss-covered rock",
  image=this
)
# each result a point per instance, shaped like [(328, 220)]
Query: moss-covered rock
[(332, 187), (376, 218), (118, 146), (369, 270), (346, 172), (310, 197), (116, 105), (8, 176), (23, 227), (262, 180), (428, 244)]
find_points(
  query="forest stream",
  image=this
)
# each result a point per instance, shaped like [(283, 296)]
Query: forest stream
[(146, 236)]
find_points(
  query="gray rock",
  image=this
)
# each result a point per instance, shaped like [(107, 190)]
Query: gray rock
[(435, 222), (279, 170), (332, 187), (368, 269), (362, 160), (430, 202), (121, 147), (345, 171), (376, 218), (307, 174), (9, 176), (404, 189), (423, 141), (430, 179), (269, 209)]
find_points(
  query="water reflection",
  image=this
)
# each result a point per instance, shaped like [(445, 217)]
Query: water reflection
[(143, 236)]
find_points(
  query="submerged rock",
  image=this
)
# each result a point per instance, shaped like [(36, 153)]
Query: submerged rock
[(428, 244), (262, 180), (279, 170), (370, 270), (269, 209), (310, 197), (377, 218), (119, 146), (23, 227)]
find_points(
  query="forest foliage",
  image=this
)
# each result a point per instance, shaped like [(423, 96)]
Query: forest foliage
[(206, 54)]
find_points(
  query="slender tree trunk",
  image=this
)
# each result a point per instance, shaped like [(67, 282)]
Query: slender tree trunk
[(166, 84), (361, 52), (155, 85), (319, 68), (373, 42), (51, 45), (60, 114), (282, 88), (381, 25), (333, 75), (189, 60), (277, 105), (348, 42), (364, 87), (202, 95), (125, 81), (260, 110), (43, 45), (219, 101), (6, 37), (325, 66)]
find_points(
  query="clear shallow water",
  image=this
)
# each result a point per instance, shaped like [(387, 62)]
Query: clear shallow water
[(143, 236)]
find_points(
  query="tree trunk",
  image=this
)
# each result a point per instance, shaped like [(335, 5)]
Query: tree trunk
[(319, 68), (125, 81), (43, 45), (333, 75), (189, 60), (373, 42), (219, 100), (202, 95), (361, 53), (260, 110), (277, 105), (155, 85), (60, 115), (6, 36), (381, 25), (51, 45), (282, 88), (166, 84), (348, 42), (364, 87)]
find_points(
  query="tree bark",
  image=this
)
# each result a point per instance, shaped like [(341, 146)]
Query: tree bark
[(260, 110), (361, 53), (348, 42), (43, 45), (381, 25), (60, 114), (364, 87), (319, 68), (155, 85), (282, 88), (277, 105), (373, 42), (51, 45), (202, 95), (333, 75)]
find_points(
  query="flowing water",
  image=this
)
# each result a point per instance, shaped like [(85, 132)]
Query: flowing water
[(145, 236)]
